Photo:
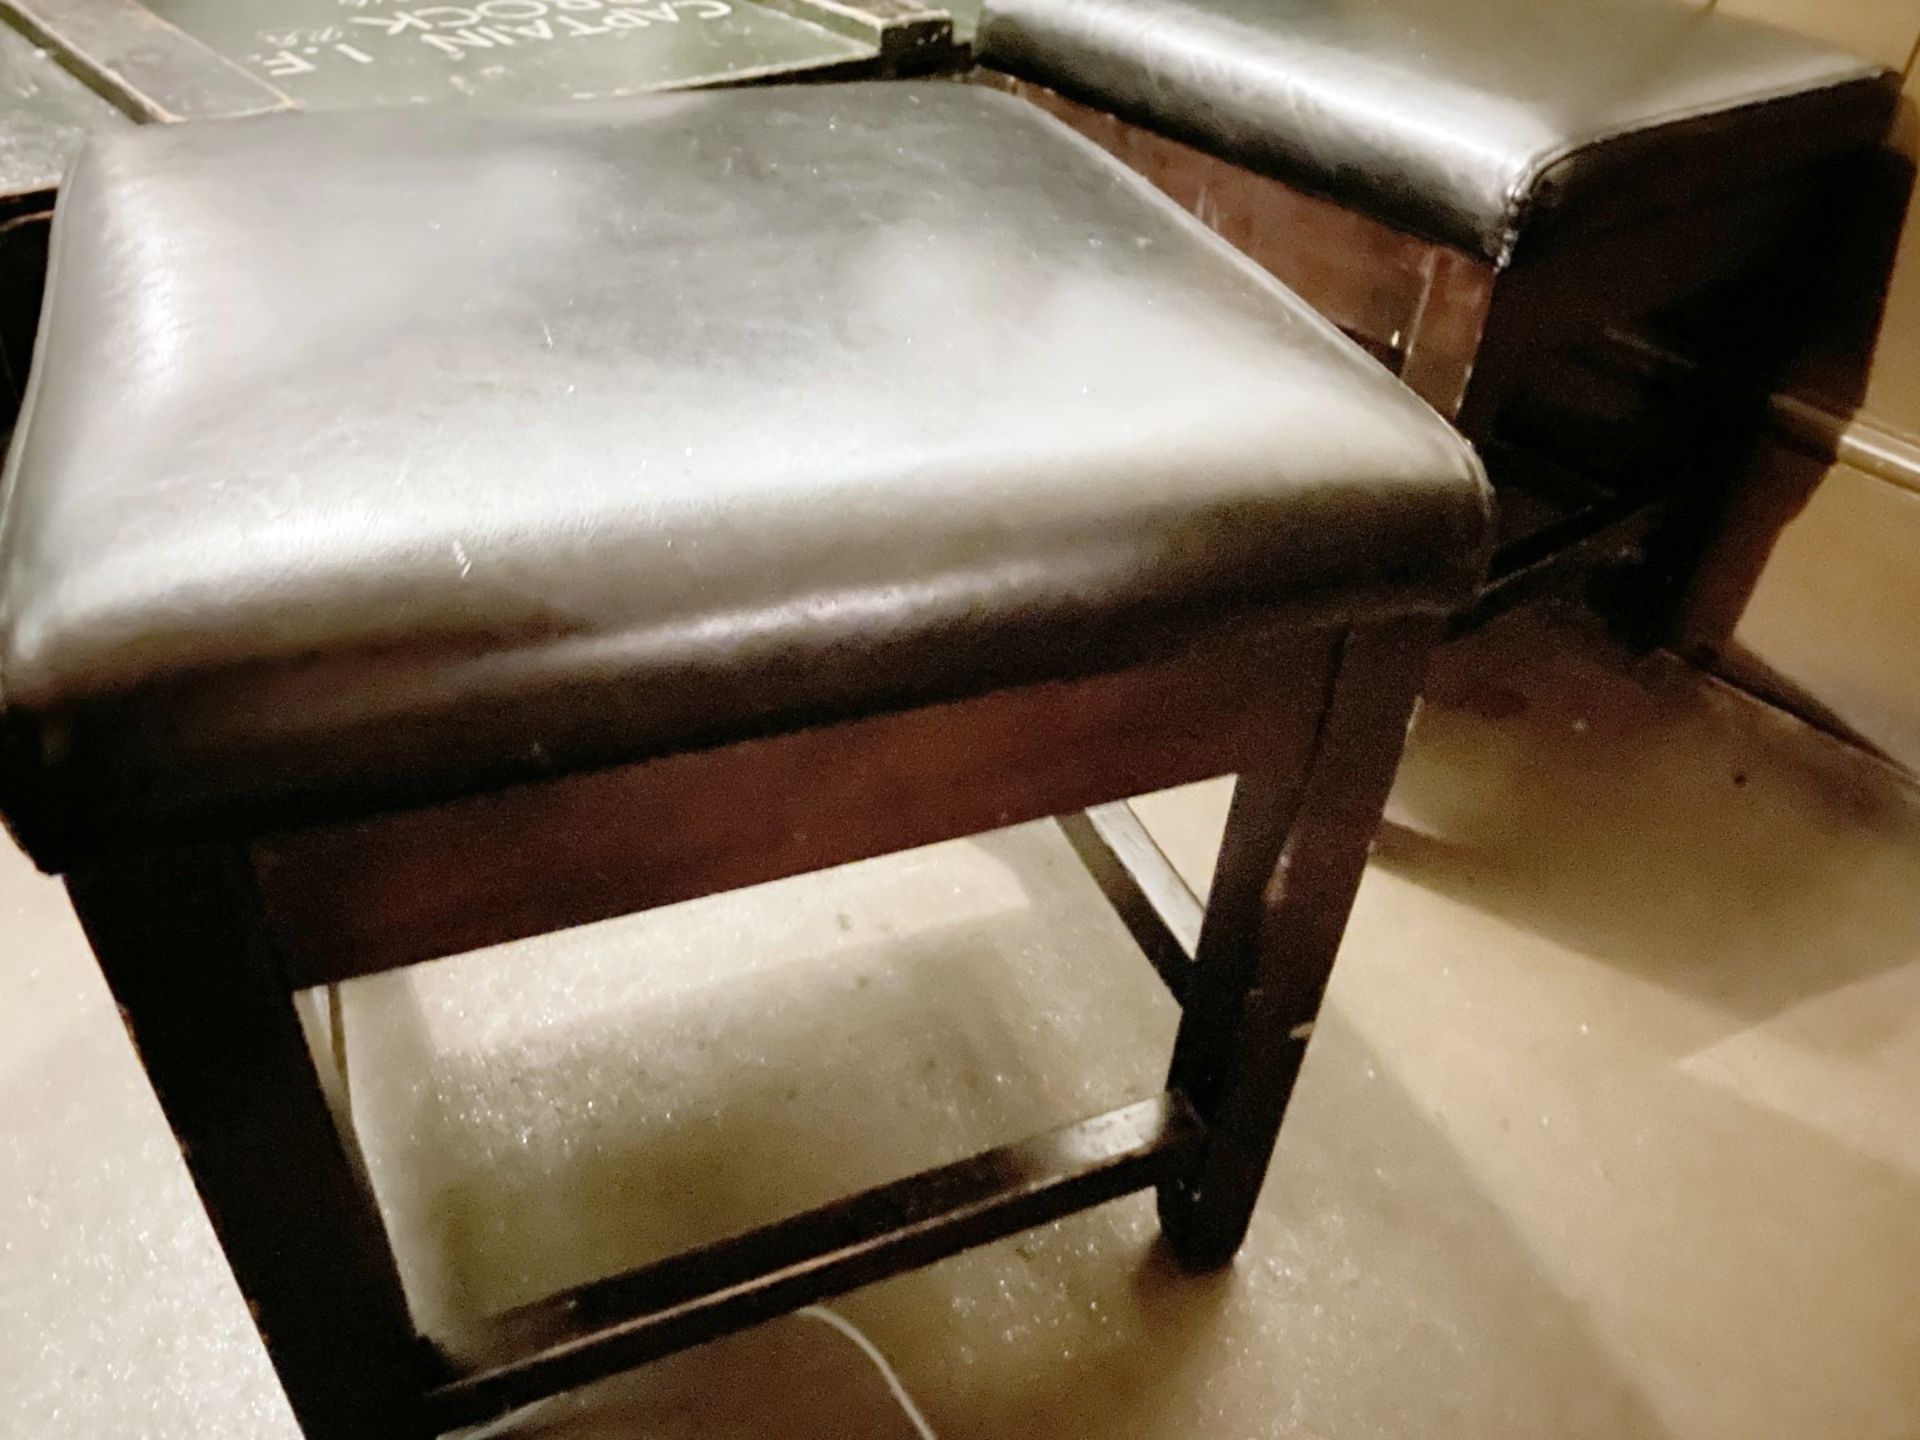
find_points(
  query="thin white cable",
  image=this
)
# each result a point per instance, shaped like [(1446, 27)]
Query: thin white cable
[(336, 1016), (853, 1332)]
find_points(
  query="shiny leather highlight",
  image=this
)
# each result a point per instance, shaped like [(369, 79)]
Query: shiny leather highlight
[(380, 456), (1469, 122)]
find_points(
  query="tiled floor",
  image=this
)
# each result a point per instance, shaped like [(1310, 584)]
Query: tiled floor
[(1610, 1129)]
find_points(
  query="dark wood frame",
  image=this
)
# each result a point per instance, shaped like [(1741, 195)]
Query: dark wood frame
[(206, 948), (1471, 335), (1465, 332)]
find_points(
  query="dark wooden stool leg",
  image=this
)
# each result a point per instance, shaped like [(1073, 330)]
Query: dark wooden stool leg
[(181, 940), (1290, 863)]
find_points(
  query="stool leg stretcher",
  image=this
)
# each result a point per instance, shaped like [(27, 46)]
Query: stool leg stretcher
[(195, 942)]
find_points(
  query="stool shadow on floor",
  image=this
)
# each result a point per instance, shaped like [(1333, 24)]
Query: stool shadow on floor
[(618, 1118), (1825, 386), (1380, 1292), (673, 1078), (1646, 817)]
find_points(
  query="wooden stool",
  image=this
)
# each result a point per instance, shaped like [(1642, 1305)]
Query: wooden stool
[(429, 529), (1579, 229)]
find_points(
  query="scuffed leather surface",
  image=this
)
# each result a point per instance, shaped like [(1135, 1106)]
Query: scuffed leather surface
[(395, 454), (1460, 120)]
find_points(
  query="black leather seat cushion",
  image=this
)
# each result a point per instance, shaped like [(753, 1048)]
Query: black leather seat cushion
[(392, 455), (1470, 122)]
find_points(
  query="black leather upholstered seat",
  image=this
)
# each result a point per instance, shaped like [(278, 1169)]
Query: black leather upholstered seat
[(396, 454), (1463, 121)]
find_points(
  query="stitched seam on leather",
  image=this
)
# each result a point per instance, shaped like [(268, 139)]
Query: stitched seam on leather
[(1521, 193)]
